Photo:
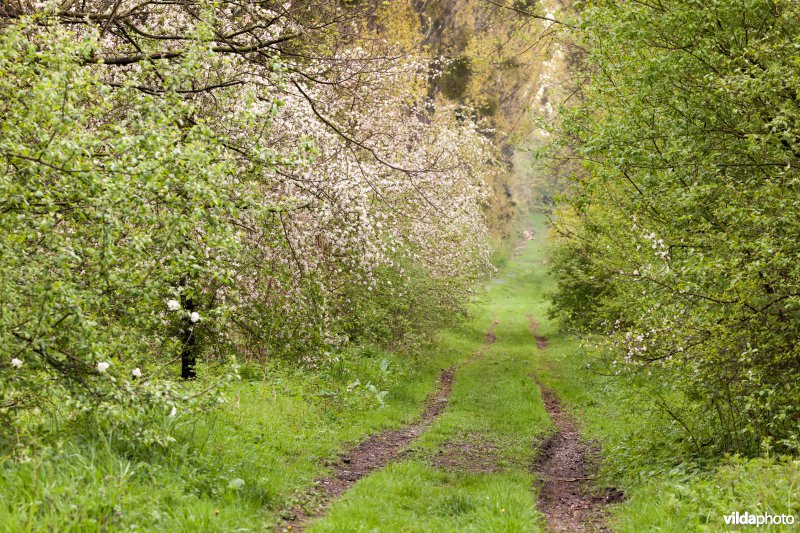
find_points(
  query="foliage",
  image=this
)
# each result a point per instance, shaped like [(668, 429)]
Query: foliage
[(192, 181), (107, 200), (681, 234), (496, 61)]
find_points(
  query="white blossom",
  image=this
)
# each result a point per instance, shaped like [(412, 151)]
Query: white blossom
[(16, 363), (102, 366), (195, 316), (136, 372), (173, 305)]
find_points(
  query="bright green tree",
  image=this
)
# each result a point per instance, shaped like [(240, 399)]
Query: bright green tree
[(681, 237)]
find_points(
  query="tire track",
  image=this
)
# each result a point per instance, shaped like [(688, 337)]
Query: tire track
[(374, 453), (565, 486)]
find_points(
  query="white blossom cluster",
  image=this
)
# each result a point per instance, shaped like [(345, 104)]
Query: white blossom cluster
[(344, 169)]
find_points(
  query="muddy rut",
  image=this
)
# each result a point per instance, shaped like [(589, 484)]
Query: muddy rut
[(374, 453), (565, 496)]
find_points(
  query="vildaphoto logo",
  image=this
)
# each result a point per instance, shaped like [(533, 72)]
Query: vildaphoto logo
[(747, 519)]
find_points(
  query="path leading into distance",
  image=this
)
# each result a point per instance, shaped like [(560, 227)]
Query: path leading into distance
[(491, 451)]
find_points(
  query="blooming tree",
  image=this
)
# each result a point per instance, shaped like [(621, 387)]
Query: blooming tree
[(197, 179)]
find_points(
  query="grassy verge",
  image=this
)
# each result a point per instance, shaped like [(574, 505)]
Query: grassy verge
[(229, 471), (471, 470)]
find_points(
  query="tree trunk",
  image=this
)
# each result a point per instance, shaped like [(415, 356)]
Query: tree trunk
[(188, 340)]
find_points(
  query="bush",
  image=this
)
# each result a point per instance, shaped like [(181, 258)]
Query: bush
[(682, 232), (166, 196)]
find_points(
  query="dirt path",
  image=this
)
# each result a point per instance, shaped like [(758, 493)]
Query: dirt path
[(541, 340), (375, 452), (564, 494)]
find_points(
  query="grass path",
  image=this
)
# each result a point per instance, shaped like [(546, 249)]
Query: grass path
[(473, 469), (375, 452), (510, 451), (371, 454)]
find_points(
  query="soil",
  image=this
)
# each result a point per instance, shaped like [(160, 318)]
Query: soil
[(564, 496), (372, 454), (565, 493), (541, 340), (470, 455)]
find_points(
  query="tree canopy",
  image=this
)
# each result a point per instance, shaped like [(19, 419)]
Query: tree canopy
[(680, 238), (199, 180)]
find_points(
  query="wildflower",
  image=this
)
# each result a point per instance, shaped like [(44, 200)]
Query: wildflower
[(136, 372), (173, 305), (16, 363), (173, 412), (102, 366), (195, 316)]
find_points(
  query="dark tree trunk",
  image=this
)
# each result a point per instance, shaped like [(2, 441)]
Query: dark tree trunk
[(188, 340)]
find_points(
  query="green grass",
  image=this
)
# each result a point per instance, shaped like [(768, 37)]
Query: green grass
[(412, 496), (495, 410), (668, 489), (275, 435), (237, 469)]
